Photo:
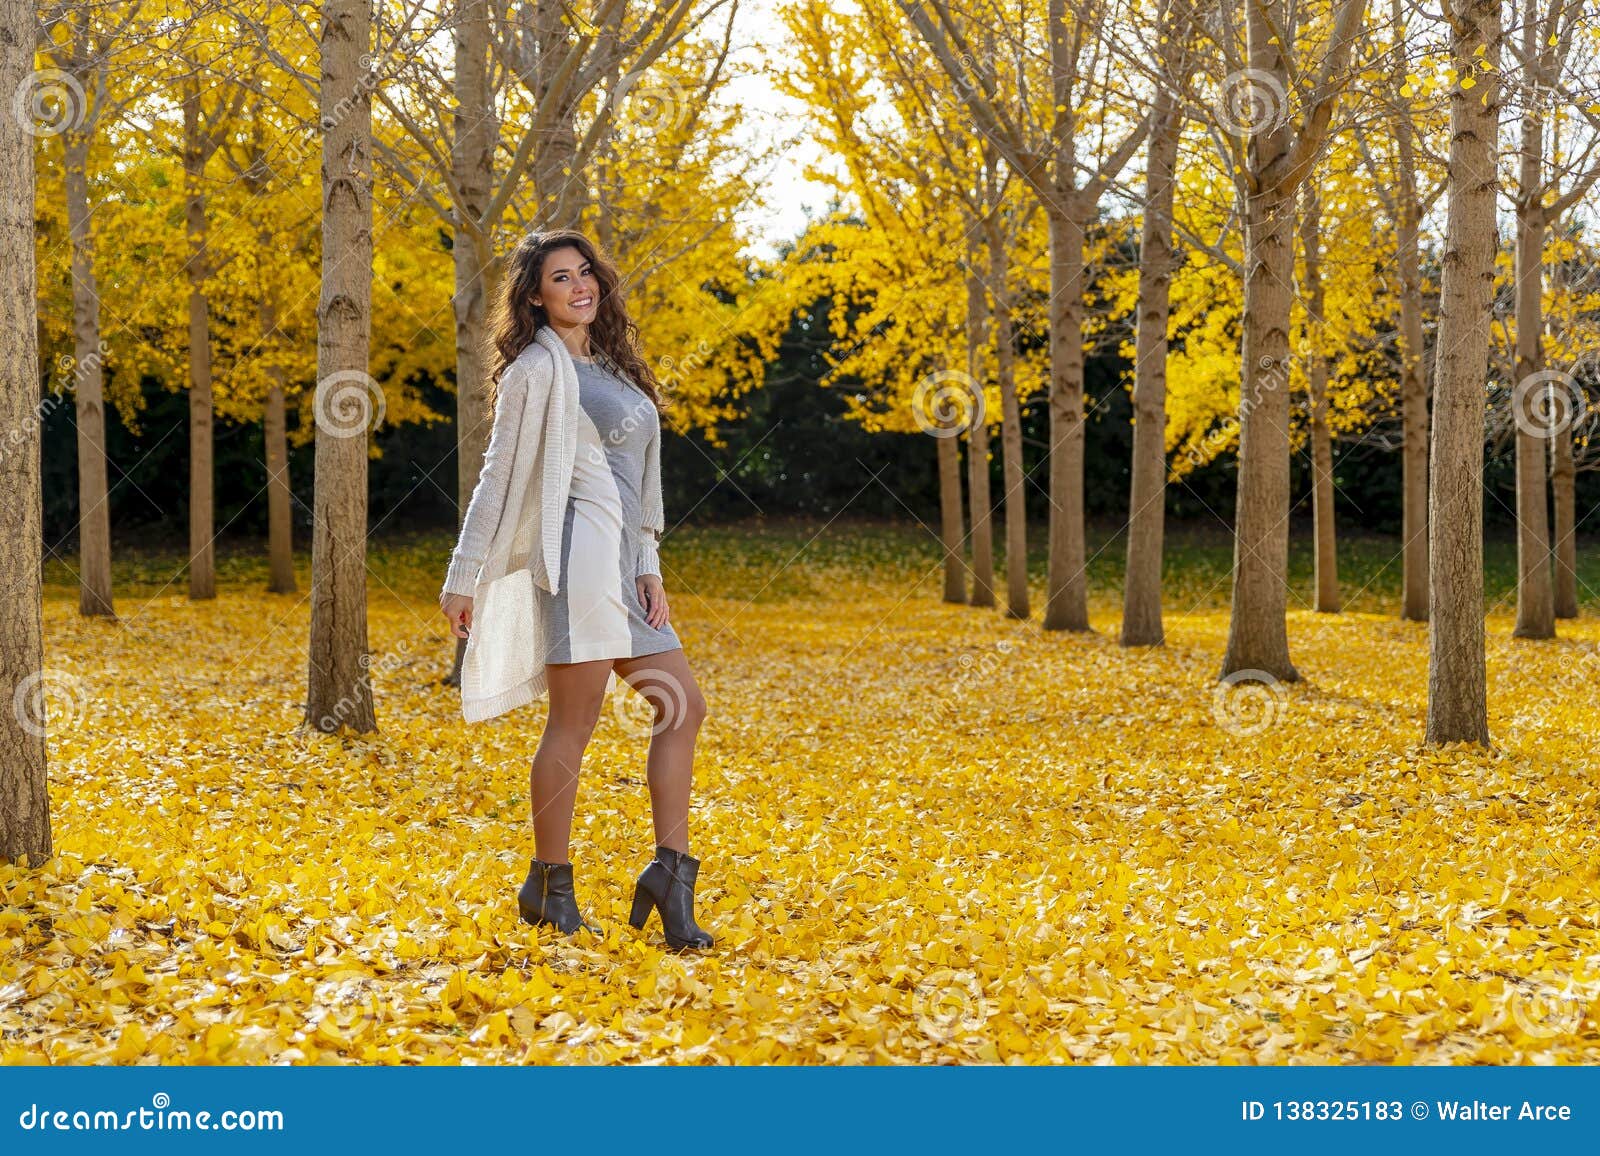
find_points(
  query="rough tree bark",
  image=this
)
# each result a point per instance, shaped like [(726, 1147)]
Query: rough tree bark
[(1147, 492), (1413, 378), (979, 499), (1326, 559), (338, 691), (952, 526), (257, 176), (1536, 611), (1564, 502), (1005, 361), (472, 145), (94, 507), (1457, 706), (24, 797), (202, 496), (1279, 156)]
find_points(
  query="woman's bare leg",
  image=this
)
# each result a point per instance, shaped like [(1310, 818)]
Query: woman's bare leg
[(667, 684), (577, 691)]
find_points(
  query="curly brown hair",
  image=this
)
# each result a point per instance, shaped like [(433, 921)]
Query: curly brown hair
[(612, 334)]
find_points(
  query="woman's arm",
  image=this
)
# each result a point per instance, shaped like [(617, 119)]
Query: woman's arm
[(652, 521), (489, 495)]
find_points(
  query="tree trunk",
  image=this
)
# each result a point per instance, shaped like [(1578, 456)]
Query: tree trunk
[(558, 180), (1564, 493), (1258, 637), (1326, 560), (339, 692), (24, 797), (1147, 496), (1564, 499), (1067, 587), (274, 425), (978, 497), (1536, 611), (202, 501), (1457, 709), (1015, 496), (474, 132), (951, 526), (280, 520), (1413, 379), (94, 511)]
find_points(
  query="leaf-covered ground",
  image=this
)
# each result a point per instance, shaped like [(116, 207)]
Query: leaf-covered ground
[(928, 833)]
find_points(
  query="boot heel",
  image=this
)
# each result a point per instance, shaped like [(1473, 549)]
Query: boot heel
[(642, 903)]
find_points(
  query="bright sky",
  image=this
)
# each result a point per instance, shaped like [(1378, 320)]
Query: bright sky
[(758, 39)]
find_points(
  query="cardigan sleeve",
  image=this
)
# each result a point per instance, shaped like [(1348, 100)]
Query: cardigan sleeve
[(653, 519), (489, 495)]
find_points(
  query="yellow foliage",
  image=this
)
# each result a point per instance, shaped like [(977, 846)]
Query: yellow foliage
[(928, 833)]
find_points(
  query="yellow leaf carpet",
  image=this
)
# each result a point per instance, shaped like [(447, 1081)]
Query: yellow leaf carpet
[(929, 834)]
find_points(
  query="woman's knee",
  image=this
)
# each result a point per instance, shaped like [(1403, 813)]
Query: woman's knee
[(694, 708)]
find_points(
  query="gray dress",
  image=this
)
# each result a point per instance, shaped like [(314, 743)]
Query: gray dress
[(597, 612)]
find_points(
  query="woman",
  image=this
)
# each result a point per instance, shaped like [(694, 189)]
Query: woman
[(608, 610)]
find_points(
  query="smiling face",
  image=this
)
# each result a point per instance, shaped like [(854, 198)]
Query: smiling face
[(569, 290)]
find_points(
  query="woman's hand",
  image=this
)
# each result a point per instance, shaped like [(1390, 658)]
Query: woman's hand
[(653, 597), (458, 609)]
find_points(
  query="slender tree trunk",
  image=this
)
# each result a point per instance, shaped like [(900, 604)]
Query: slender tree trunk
[(1564, 492), (280, 495), (1067, 587), (339, 691), (475, 130), (1258, 637), (1326, 561), (274, 424), (24, 795), (558, 179), (1457, 708), (1536, 612), (1147, 497), (1413, 378), (978, 497), (202, 500), (1564, 499), (1015, 496), (94, 510), (951, 526)]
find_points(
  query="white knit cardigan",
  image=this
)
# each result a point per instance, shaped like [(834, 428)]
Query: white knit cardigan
[(511, 534)]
